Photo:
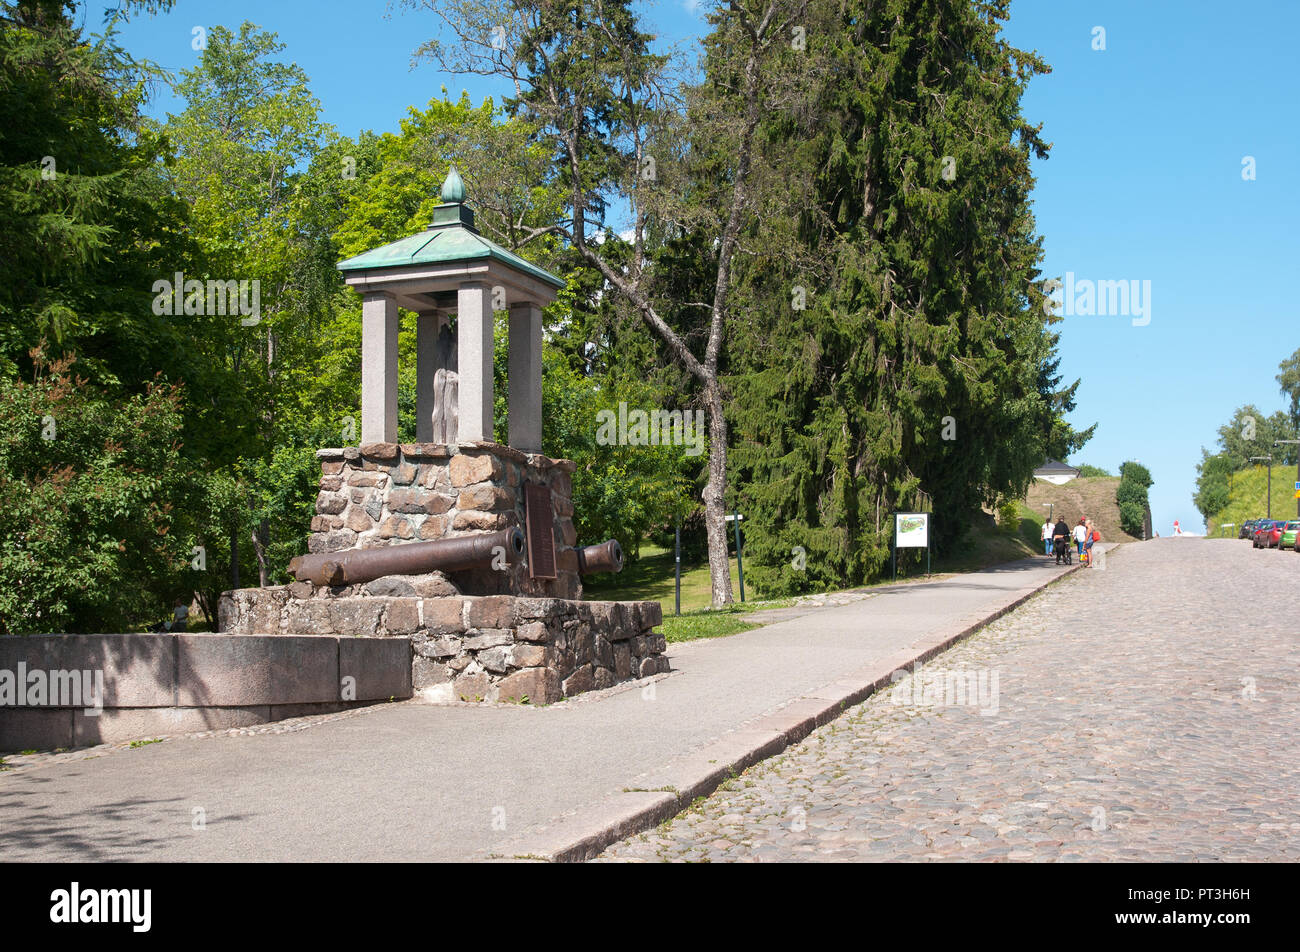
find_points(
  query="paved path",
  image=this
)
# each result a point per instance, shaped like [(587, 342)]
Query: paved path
[(1148, 712), (419, 782)]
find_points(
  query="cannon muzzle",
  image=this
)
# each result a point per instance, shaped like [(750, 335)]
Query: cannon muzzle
[(411, 558), (606, 557)]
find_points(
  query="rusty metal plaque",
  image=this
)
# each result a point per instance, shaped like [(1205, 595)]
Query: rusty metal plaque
[(540, 519)]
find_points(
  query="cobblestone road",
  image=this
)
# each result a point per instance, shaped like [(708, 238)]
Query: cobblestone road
[(1147, 712)]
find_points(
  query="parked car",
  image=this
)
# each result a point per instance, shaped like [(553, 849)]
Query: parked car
[(1290, 532), (1246, 527), (1256, 531), (1269, 534)]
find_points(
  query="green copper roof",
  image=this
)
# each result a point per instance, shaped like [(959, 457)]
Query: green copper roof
[(450, 238), (439, 245)]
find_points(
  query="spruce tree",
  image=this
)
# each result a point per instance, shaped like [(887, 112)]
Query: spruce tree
[(899, 354)]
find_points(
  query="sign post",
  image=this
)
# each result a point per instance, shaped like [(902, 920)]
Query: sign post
[(735, 518), (911, 531), (677, 563)]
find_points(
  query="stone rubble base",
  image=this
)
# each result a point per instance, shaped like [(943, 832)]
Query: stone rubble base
[(503, 648)]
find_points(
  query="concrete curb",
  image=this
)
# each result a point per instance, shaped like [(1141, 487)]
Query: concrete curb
[(666, 791)]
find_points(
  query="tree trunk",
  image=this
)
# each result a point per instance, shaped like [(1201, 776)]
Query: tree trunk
[(715, 490), (261, 539), (234, 558)]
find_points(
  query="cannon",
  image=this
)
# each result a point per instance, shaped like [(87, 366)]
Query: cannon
[(411, 558), (606, 557)]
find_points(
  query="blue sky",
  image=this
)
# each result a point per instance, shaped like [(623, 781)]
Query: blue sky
[(1144, 184)]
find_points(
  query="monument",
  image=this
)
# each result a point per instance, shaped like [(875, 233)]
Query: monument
[(463, 545)]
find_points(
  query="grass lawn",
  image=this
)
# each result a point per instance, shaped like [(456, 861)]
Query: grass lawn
[(707, 623), (650, 579)]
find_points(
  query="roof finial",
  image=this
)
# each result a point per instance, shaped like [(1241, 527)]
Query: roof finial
[(453, 189)]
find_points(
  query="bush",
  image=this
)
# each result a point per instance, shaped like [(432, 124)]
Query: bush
[(1009, 516), (1131, 494), (1086, 471), (91, 488), (1136, 473)]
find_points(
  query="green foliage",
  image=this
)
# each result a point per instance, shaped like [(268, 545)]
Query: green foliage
[(1085, 471), (1288, 379), (267, 184), (619, 492), (93, 491), (1134, 472), (1247, 498), (1213, 482), (1250, 433), (923, 312), (504, 169), (86, 222), (1131, 495), (1009, 516)]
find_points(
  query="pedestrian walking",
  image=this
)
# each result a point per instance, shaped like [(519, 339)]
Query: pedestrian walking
[(1061, 542), (1094, 536), (1080, 535), (1047, 537)]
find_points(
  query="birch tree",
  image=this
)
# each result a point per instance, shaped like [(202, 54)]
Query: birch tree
[(629, 130)]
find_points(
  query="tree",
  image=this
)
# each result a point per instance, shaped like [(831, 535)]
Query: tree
[(249, 126), (86, 222), (1131, 494), (1288, 378), (1213, 483), (897, 353), (1251, 433), (584, 75), (95, 492)]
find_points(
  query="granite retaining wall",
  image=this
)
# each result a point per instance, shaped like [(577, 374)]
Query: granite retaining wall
[(155, 684)]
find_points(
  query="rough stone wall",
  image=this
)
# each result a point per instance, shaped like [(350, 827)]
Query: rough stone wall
[(384, 493), (472, 648)]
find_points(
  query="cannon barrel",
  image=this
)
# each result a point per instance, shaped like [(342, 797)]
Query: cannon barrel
[(411, 558), (606, 557)]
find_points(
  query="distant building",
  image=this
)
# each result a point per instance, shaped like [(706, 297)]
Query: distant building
[(1056, 472)]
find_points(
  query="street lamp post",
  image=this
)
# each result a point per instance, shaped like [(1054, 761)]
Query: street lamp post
[(1297, 470), (1268, 503)]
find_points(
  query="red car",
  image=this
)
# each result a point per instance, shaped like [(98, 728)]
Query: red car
[(1269, 534)]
